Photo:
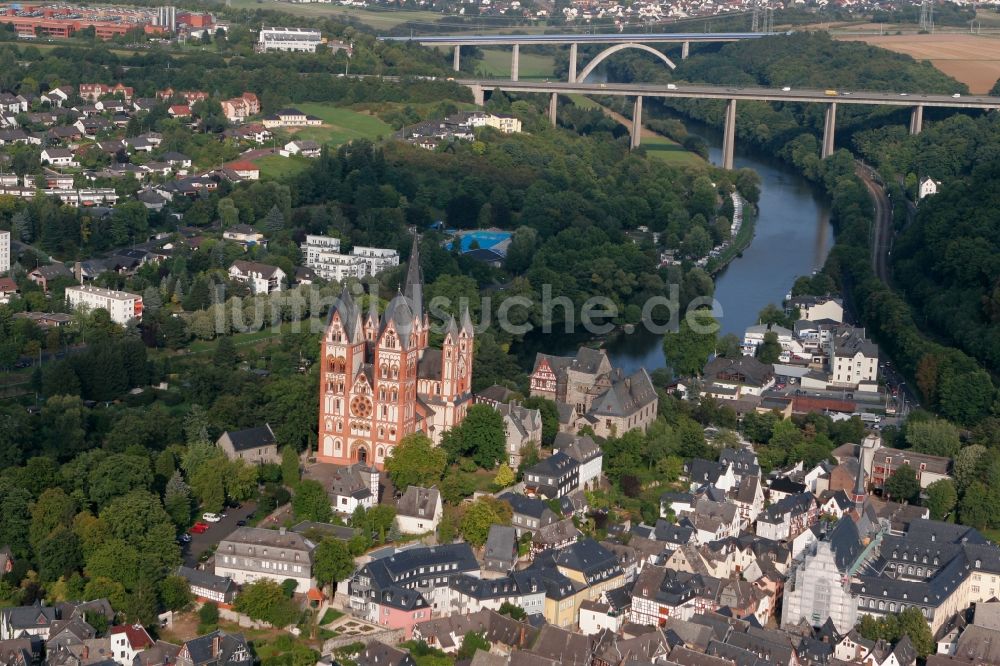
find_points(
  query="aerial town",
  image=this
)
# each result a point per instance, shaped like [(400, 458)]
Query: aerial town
[(317, 348)]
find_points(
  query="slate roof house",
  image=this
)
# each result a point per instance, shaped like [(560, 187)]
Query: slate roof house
[(419, 510), (250, 554), (352, 486), (500, 553), (254, 445), (522, 426), (530, 514), (207, 586), (552, 477), (21, 621), (377, 653), (588, 455), (216, 649)]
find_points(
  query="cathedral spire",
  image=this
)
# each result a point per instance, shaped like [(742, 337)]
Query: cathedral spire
[(414, 287)]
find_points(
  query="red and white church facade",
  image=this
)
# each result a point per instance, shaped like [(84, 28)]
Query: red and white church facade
[(380, 381)]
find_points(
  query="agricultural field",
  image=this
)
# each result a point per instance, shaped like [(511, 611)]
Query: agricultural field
[(972, 59), (496, 63), (377, 20)]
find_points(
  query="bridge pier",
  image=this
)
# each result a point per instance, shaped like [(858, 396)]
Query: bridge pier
[(637, 122), (553, 106), (457, 60), (685, 50), (478, 94), (917, 119), (515, 62), (729, 135), (829, 130), (572, 62)]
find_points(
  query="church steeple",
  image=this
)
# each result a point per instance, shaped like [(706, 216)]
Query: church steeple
[(858, 496), (414, 287)]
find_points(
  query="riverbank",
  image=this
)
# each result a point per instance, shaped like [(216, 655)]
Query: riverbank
[(744, 222)]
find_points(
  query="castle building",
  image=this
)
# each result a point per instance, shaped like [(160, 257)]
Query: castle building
[(381, 382)]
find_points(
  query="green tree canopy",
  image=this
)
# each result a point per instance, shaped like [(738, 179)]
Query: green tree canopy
[(415, 461)]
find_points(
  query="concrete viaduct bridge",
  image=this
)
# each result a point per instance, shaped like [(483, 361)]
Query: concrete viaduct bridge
[(917, 102), (618, 42)]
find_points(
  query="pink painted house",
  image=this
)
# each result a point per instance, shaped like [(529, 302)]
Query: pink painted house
[(402, 609)]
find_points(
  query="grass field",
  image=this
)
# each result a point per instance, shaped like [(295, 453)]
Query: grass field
[(277, 167), (340, 125), (972, 59), (496, 62)]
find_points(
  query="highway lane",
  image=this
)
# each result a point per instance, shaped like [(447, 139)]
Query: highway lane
[(600, 38), (703, 91)]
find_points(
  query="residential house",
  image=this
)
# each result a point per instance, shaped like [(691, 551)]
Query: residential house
[(587, 454), (522, 426), (209, 587), (8, 289), (927, 187), (254, 445), (500, 631), (121, 306), (218, 648), (816, 308), (262, 278), (592, 564), (853, 359), (245, 235), (353, 486), (500, 553), (884, 461), (529, 514), (403, 587), (470, 593), (43, 275), (734, 379), (254, 132), (554, 536), (553, 477), (788, 517), (250, 554), (304, 147), (419, 510), (242, 170), (238, 109), (128, 640), (58, 157), (377, 653), (20, 621)]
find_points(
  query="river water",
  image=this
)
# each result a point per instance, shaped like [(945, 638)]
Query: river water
[(792, 237)]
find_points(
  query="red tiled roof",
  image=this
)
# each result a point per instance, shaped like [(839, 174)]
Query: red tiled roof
[(137, 637)]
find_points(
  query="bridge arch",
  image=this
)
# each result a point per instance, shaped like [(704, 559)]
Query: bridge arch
[(611, 50)]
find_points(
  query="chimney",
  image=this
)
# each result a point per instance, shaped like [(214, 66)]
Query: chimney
[(281, 531), (78, 272), (86, 651), (215, 645)]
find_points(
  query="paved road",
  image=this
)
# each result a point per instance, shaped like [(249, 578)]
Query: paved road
[(727, 92), (215, 533), (579, 38), (882, 233)]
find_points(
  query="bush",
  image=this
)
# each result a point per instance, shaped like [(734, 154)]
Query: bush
[(209, 614)]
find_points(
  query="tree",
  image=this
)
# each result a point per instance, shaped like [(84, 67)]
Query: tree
[(274, 221), (265, 600), (515, 612), (480, 516), (550, 417), (225, 355), (470, 643), (175, 593), (505, 477), (480, 436), (687, 349), (289, 466), (902, 485), (59, 554), (177, 499), (311, 502), (967, 464), (769, 350), (332, 562), (117, 475), (415, 461), (208, 484), (941, 498), (208, 614), (53, 509), (911, 622), (934, 436), (288, 587), (241, 480)]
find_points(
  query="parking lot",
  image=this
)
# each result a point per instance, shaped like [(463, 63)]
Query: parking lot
[(216, 532)]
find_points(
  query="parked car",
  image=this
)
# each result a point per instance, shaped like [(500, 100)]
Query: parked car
[(184, 538), (241, 523), (211, 517), (199, 527)]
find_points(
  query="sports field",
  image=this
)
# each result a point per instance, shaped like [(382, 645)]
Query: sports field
[(972, 59), (378, 20)]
